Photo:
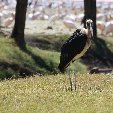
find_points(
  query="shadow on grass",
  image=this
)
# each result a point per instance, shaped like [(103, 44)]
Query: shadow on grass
[(46, 42), (16, 70), (99, 55), (39, 62)]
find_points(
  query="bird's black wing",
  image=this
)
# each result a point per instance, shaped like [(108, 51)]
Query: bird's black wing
[(73, 46)]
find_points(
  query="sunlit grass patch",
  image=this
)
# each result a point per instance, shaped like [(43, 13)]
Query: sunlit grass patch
[(47, 94)]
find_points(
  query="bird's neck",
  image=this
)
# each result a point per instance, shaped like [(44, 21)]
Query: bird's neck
[(89, 32)]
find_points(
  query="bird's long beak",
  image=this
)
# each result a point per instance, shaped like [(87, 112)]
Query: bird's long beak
[(92, 37), (91, 29)]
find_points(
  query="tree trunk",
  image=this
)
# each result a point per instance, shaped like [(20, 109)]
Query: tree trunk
[(19, 26), (90, 13)]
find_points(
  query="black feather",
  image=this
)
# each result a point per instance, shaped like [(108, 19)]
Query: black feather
[(73, 46)]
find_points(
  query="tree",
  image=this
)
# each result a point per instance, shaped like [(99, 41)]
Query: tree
[(19, 26), (90, 13)]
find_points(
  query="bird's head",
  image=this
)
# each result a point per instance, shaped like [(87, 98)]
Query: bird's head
[(89, 23), (89, 26)]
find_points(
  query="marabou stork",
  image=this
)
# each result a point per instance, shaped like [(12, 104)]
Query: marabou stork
[(75, 47)]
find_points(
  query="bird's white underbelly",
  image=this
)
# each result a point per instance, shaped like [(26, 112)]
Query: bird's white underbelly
[(83, 51)]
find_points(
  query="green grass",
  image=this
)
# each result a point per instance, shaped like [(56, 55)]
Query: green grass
[(47, 94), (46, 41), (43, 55), (50, 94), (15, 62), (100, 51)]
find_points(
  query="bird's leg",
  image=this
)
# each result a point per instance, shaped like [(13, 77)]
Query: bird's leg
[(75, 77), (70, 78)]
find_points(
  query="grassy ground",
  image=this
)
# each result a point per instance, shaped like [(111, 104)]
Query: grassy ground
[(15, 62), (100, 53), (43, 42), (48, 95), (47, 42)]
